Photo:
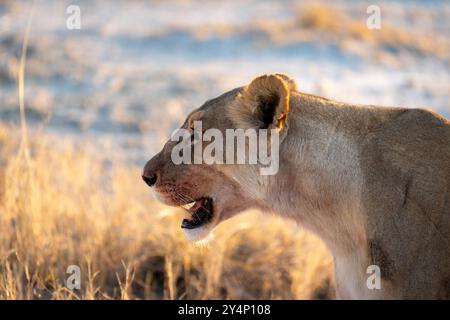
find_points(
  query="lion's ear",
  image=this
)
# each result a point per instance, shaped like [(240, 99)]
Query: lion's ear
[(264, 103), (291, 82)]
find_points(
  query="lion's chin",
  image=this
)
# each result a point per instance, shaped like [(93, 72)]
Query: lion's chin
[(200, 235)]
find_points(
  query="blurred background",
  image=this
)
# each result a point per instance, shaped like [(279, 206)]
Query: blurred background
[(102, 99), (135, 69)]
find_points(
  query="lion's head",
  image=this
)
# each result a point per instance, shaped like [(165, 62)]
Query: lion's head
[(220, 184)]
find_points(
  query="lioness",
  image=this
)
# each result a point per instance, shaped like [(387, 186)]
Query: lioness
[(372, 182)]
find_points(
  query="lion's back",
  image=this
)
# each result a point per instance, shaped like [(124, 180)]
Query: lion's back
[(407, 169)]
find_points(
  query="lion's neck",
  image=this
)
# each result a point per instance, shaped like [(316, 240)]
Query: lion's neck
[(319, 183)]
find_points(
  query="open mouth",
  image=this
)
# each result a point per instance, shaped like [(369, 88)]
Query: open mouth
[(201, 212)]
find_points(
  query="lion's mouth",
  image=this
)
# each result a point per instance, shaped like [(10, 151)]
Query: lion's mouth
[(201, 212)]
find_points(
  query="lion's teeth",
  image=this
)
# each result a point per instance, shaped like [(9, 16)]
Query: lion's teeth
[(189, 205), (193, 206)]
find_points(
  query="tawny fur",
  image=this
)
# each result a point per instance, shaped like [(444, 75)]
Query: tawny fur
[(372, 182)]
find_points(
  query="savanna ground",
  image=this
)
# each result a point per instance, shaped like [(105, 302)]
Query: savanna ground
[(63, 207), (101, 100)]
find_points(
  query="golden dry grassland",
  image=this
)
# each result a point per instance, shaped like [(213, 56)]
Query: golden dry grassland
[(63, 206)]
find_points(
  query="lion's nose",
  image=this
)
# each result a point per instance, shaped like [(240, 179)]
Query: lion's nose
[(151, 181), (151, 170)]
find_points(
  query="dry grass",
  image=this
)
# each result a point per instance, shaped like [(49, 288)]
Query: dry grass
[(332, 23), (327, 23), (61, 206), (65, 207)]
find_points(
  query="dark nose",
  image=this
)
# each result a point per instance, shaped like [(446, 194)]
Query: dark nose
[(150, 174), (151, 181)]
